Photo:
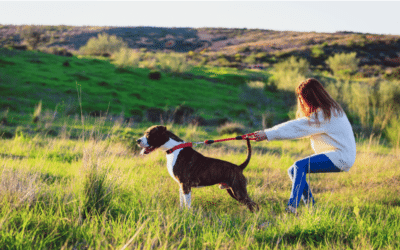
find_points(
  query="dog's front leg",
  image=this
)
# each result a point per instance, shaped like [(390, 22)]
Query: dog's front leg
[(188, 199), (181, 197), (185, 196)]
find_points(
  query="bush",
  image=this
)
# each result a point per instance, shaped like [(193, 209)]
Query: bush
[(154, 75), (231, 128), (251, 59), (238, 57), (6, 133), (271, 86), (289, 73), (243, 49), (221, 62), (33, 35), (317, 52), (393, 74), (372, 104), (103, 44), (171, 63), (343, 65), (393, 132), (126, 58)]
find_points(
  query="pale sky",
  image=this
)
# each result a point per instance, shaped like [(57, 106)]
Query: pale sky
[(378, 17)]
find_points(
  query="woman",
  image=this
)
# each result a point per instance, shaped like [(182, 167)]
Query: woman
[(323, 120)]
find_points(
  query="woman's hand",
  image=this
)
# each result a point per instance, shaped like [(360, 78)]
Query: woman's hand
[(260, 135)]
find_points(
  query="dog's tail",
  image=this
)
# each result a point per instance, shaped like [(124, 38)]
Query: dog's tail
[(246, 162)]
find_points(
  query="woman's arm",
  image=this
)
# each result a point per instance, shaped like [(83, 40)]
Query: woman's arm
[(294, 129)]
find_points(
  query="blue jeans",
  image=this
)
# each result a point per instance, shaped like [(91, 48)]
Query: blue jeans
[(297, 173)]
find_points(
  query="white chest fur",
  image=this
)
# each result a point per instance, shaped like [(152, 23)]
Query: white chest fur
[(171, 160)]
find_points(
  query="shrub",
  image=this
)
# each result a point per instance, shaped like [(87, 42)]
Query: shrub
[(126, 58), (343, 65), (231, 128), (182, 113), (238, 57), (271, 86), (33, 35), (154, 75), (392, 132), (370, 70), (221, 62), (287, 74), (243, 49), (171, 63), (317, 51), (372, 105), (6, 133), (103, 44), (251, 59), (393, 74), (350, 43), (261, 56), (154, 114)]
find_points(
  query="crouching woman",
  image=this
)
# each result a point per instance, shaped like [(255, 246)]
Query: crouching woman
[(323, 120)]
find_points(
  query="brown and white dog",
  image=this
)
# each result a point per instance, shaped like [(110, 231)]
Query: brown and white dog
[(191, 169)]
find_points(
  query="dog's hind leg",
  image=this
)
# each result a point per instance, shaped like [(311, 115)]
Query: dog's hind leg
[(240, 194), (231, 194)]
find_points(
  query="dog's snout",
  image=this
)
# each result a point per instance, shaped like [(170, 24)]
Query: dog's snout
[(138, 141)]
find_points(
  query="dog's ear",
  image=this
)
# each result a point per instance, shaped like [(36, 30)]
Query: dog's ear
[(162, 129)]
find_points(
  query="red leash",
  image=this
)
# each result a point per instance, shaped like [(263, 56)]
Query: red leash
[(190, 144), (240, 137)]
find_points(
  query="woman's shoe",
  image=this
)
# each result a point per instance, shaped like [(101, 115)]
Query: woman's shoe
[(291, 209)]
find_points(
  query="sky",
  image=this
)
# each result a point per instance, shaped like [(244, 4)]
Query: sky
[(376, 17)]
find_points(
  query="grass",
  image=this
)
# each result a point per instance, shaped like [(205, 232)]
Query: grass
[(46, 183), (28, 77), (77, 182)]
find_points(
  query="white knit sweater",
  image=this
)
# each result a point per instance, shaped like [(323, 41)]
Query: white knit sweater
[(333, 137)]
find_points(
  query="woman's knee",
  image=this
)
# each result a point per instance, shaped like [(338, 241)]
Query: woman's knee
[(301, 164), (291, 172)]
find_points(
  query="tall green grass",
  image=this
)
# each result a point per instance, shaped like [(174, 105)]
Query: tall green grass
[(46, 183), (371, 105)]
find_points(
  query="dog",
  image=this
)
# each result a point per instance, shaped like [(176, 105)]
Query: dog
[(191, 169)]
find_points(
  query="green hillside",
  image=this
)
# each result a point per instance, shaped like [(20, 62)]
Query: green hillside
[(28, 77)]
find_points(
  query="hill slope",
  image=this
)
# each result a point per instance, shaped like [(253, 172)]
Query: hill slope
[(372, 49), (28, 77)]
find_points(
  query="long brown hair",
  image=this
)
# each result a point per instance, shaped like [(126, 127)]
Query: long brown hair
[(312, 96)]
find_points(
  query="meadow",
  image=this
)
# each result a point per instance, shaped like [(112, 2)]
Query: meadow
[(72, 178), (96, 192)]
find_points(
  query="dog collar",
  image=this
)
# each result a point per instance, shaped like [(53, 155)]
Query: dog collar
[(183, 145)]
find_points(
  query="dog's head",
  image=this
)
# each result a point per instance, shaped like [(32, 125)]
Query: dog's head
[(153, 138)]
